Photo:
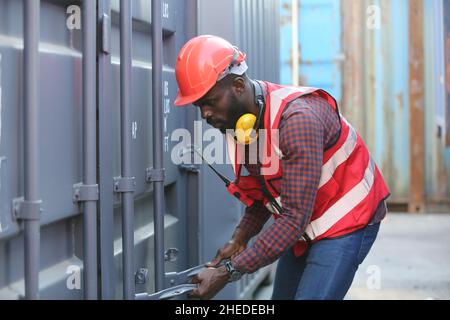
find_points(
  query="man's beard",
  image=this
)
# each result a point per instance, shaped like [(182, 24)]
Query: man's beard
[(235, 111)]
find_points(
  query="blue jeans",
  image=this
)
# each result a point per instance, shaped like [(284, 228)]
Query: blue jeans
[(326, 270)]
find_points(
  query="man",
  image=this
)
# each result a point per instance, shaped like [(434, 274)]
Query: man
[(326, 193)]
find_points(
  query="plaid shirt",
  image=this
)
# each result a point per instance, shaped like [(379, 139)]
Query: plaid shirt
[(308, 126)]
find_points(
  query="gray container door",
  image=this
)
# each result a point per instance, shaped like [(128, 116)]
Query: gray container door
[(177, 215)]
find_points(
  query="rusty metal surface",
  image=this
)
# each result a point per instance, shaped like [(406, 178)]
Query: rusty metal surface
[(352, 34), (446, 10), (437, 168), (375, 93), (390, 93), (416, 106)]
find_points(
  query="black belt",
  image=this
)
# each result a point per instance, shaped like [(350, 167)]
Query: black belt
[(307, 239)]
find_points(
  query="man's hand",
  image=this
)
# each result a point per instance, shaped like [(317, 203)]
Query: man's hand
[(229, 251), (210, 281)]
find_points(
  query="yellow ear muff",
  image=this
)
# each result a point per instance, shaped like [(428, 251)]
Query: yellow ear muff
[(245, 129)]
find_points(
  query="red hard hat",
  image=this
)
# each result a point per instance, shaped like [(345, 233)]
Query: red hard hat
[(200, 64)]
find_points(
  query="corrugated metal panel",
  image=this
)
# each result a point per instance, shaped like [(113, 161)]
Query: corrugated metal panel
[(61, 148), (286, 42), (379, 76), (394, 152), (437, 169), (446, 13), (385, 100), (320, 45), (257, 34), (60, 119), (376, 84), (377, 89)]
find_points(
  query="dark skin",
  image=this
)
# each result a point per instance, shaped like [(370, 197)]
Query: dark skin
[(227, 101), (213, 279), (222, 107)]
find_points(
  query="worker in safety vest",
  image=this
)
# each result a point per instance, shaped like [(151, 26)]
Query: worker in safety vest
[(312, 172)]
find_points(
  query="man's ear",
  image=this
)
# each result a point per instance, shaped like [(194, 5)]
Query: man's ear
[(239, 85)]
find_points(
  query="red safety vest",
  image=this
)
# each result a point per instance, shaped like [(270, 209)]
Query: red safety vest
[(351, 186)]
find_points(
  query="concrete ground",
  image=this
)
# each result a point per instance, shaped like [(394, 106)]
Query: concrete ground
[(409, 261)]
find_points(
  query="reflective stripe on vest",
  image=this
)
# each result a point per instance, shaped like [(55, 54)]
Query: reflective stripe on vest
[(277, 97), (339, 157), (344, 205)]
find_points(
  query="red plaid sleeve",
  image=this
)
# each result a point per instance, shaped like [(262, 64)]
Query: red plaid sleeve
[(254, 218)]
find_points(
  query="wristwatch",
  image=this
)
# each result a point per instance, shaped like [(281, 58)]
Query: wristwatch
[(235, 275)]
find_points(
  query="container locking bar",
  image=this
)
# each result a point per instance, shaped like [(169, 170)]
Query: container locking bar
[(29, 209), (183, 277), (157, 175), (167, 293), (178, 283)]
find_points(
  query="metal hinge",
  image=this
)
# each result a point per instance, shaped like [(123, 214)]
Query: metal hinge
[(26, 210)]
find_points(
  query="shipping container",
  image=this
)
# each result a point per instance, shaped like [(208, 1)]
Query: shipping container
[(385, 62), (91, 204)]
